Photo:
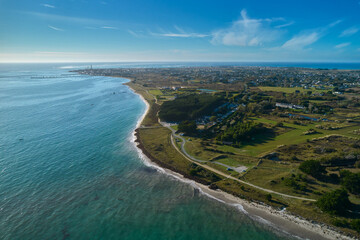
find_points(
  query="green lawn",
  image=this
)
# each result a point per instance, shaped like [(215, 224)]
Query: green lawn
[(294, 136), (291, 90), (234, 162), (155, 92)]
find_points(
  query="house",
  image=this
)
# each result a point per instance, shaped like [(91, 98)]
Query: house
[(289, 105)]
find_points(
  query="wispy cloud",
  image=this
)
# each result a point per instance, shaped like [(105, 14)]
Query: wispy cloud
[(68, 19), (180, 33), (349, 32), (247, 32), (342, 45), (284, 25), (108, 27), (139, 33), (48, 5), (135, 34), (301, 41), (309, 37), (333, 24), (55, 28)]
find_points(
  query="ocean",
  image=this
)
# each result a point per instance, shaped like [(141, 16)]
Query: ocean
[(69, 168)]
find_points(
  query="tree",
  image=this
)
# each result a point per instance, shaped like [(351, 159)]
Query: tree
[(268, 197), (187, 127), (240, 131), (335, 202), (312, 167), (351, 181), (189, 107)]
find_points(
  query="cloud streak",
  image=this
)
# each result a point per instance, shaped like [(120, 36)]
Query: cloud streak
[(342, 45), (349, 32), (48, 5), (108, 27), (56, 28), (301, 41), (285, 25), (68, 19), (180, 33), (308, 38), (247, 32)]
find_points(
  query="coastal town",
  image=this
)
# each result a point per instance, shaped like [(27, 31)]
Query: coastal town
[(226, 126), (320, 79)]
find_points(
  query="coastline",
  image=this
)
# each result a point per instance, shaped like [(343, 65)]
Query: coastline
[(279, 220)]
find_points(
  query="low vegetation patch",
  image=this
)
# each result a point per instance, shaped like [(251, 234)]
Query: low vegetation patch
[(335, 202), (189, 107)]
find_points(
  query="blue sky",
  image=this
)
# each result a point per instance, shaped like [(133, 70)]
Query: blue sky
[(158, 30)]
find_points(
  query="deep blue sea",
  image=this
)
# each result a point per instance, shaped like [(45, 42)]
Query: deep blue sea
[(69, 170)]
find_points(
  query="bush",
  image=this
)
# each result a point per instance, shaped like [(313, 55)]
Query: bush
[(291, 182), (351, 181), (335, 202), (187, 127), (340, 223), (268, 197), (193, 172), (312, 167), (355, 224), (357, 164)]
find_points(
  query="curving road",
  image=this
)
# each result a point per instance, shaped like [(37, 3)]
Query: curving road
[(200, 162)]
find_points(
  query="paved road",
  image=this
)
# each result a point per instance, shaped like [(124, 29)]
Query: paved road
[(236, 179), (200, 162)]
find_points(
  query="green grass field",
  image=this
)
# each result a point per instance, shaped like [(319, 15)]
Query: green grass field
[(294, 136), (155, 92), (291, 90)]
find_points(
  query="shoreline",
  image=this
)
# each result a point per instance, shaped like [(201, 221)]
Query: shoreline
[(279, 220)]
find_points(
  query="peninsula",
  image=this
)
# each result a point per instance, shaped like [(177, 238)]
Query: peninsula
[(285, 140)]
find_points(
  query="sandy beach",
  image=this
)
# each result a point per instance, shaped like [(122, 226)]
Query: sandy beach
[(280, 220)]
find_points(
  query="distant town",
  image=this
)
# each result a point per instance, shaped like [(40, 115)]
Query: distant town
[(322, 79)]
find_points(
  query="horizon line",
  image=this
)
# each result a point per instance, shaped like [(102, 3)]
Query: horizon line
[(173, 61)]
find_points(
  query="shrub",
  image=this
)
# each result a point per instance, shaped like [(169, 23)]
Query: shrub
[(291, 182), (268, 197), (351, 181), (357, 164), (340, 223), (355, 224), (187, 127), (312, 167), (335, 202), (193, 172)]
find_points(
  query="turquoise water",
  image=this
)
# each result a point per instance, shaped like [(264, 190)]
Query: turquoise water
[(68, 168)]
